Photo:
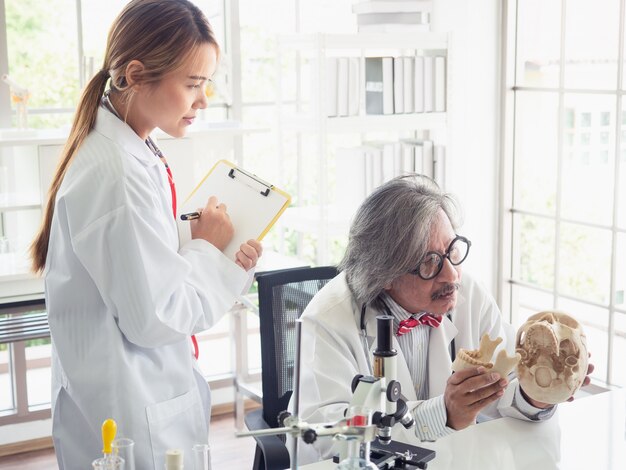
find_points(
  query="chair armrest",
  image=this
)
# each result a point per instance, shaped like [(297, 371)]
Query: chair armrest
[(275, 453)]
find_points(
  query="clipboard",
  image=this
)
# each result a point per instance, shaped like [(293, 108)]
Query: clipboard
[(252, 204)]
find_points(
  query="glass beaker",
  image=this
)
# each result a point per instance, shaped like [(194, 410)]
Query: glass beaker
[(125, 448), (110, 462), (201, 454)]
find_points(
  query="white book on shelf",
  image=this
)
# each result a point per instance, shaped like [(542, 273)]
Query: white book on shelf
[(351, 176), (439, 153), (388, 162), (392, 6), (411, 18), (440, 84), (428, 159), (423, 156), (369, 171), (398, 85), (418, 157), (394, 28), (331, 86), (418, 77), (429, 90), (398, 159), (409, 85), (408, 155), (387, 85), (342, 86), (354, 86), (374, 85), (376, 153)]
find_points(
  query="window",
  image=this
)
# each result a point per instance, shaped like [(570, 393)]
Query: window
[(260, 23), (54, 47), (566, 218)]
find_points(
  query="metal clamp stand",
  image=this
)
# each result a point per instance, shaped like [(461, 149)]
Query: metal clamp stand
[(380, 393)]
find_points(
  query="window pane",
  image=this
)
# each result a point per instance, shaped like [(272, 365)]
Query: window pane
[(591, 40), (259, 27), (536, 151), (214, 11), (533, 253), (621, 187), (6, 379), (16, 235), (538, 43), (595, 323), (214, 343), (254, 342), (585, 262), (260, 152), (618, 370), (97, 17), (529, 302), (620, 276), (588, 166), (42, 44), (38, 376)]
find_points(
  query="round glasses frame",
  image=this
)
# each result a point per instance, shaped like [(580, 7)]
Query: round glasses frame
[(440, 259)]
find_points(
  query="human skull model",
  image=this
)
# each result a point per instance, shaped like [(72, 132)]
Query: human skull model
[(483, 355), (553, 348)]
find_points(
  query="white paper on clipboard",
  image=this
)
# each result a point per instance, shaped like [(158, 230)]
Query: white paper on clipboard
[(252, 204)]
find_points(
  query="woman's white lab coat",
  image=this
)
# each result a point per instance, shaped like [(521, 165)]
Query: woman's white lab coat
[(335, 349), (123, 300)]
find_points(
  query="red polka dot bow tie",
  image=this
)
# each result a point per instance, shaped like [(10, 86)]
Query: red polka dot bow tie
[(427, 319)]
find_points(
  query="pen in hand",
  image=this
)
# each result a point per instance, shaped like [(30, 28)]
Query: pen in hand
[(190, 216)]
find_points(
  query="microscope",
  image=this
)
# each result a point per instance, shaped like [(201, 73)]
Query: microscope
[(376, 406), (382, 394)]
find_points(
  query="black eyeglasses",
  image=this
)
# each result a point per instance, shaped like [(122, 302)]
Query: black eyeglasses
[(432, 263)]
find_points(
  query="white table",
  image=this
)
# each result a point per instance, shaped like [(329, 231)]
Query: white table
[(588, 433)]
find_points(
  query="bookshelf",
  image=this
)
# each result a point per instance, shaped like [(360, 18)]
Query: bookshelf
[(319, 129)]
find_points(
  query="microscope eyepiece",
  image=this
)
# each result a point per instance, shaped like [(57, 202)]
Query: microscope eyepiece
[(383, 344)]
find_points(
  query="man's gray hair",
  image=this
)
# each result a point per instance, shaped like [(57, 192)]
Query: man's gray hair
[(390, 233)]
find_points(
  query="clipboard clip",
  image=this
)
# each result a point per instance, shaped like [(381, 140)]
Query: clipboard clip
[(268, 187)]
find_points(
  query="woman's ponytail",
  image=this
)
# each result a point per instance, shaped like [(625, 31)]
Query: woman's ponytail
[(84, 120)]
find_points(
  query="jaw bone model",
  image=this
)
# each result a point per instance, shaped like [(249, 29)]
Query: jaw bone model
[(482, 357), (553, 347)]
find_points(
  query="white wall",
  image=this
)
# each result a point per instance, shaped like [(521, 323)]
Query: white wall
[(474, 100)]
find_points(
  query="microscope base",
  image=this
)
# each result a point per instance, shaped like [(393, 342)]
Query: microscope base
[(388, 457), (392, 456)]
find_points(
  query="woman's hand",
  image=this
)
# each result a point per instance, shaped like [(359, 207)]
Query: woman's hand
[(213, 225), (248, 254)]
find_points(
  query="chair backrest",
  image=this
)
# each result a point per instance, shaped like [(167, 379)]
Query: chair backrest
[(283, 296)]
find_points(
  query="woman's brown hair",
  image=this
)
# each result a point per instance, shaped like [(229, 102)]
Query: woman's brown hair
[(162, 35)]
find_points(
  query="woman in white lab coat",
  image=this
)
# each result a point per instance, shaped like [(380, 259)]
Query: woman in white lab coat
[(123, 298)]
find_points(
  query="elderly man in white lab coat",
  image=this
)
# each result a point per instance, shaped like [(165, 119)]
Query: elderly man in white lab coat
[(404, 259)]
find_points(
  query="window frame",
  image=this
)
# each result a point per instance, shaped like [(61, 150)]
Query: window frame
[(506, 270)]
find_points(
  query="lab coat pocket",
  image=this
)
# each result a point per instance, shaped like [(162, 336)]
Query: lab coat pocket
[(177, 423)]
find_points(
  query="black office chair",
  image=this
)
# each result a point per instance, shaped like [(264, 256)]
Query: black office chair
[(283, 296)]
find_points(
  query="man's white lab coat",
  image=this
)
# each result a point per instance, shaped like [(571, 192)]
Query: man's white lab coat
[(334, 350), (123, 300)]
